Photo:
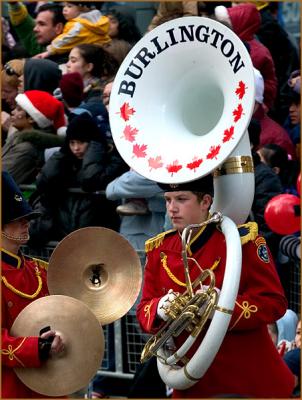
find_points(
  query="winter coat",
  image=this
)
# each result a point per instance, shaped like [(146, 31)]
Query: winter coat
[(246, 19), (23, 153), (23, 24), (267, 185), (90, 27), (66, 211), (272, 132)]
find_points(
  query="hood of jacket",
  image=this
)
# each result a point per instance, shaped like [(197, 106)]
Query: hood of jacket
[(41, 140), (94, 21), (245, 19), (41, 74)]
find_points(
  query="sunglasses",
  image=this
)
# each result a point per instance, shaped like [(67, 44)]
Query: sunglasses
[(10, 70)]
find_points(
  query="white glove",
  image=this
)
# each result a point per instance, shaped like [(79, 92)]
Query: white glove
[(164, 304), (204, 289)]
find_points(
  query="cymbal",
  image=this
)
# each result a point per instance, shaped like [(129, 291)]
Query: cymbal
[(99, 267), (71, 370)]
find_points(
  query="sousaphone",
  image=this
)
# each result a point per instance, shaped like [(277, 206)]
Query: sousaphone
[(179, 110)]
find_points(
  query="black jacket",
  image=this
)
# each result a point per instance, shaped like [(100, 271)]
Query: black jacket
[(65, 210)]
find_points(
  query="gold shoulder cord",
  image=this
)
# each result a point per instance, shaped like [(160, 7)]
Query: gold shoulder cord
[(25, 295), (163, 259)]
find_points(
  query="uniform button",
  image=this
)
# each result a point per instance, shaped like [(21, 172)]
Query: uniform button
[(10, 303)]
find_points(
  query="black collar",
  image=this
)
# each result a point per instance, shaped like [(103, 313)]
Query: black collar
[(11, 259)]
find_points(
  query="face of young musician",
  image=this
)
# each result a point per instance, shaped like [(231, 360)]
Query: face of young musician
[(185, 208)]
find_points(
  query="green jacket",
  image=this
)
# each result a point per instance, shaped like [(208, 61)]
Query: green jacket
[(23, 25)]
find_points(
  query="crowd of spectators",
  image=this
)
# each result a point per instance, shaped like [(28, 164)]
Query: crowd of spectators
[(59, 61)]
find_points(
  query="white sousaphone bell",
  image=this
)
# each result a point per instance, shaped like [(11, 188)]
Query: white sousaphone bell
[(179, 110)]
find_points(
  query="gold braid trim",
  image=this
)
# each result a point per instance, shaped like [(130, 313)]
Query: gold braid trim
[(156, 241), (163, 259), (40, 263), (252, 228), (25, 295), (10, 352), (246, 311), (147, 312)]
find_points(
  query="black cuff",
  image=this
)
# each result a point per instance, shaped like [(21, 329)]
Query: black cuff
[(44, 346)]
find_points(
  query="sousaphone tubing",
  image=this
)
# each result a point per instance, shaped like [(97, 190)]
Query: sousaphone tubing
[(179, 109)]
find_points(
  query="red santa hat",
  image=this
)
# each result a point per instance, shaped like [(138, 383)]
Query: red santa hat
[(44, 109)]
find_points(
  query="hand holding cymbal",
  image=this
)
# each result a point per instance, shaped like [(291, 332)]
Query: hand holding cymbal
[(71, 369)]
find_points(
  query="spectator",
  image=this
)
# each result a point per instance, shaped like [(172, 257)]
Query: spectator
[(293, 361), (134, 227), (122, 26), (288, 170), (10, 75), (245, 21), (84, 24), (95, 65), (23, 152), (267, 185), (118, 48), (38, 33), (292, 123), (40, 75), (271, 131), (284, 52), (86, 162), (23, 281), (167, 10)]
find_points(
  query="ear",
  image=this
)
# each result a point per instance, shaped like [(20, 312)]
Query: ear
[(207, 200), (276, 170), (89, 67), (30, 120), (59, 28)]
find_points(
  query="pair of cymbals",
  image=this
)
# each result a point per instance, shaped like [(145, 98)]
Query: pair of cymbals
[(99, 267), (83, 337)]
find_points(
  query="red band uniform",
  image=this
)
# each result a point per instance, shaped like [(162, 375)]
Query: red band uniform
[(23, 280), (247, 363)]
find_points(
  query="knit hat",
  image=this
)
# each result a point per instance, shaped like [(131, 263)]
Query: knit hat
[(204, 185), (72, 87), (222, 15), (259, 85), (44, 109), (83, 127), (14, 205)]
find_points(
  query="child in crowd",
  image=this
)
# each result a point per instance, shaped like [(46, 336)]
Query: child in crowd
[(131, 206), (85, 24)]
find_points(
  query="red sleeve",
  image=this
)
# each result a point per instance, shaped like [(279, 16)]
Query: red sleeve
[(19, 351), (151, 294), (261, 297)]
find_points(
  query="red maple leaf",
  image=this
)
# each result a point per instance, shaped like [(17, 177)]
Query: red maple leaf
[(155, 163), (130, 133), (195, 163), (238, 113), (174, 167), (228, 134), (241, 90), (214, 150), (140, 150), (126, 111)]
